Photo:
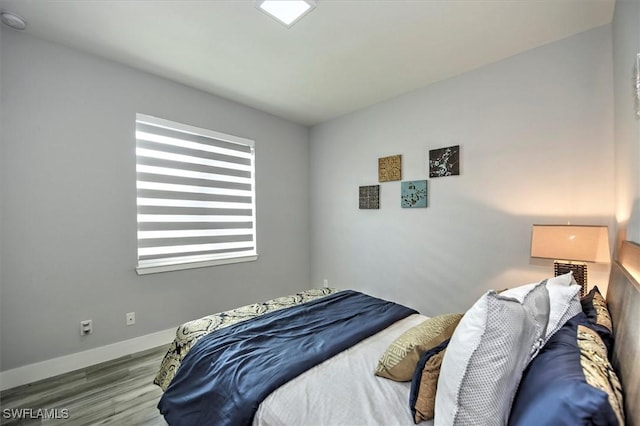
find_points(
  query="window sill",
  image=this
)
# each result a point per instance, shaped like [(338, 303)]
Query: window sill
[(158, 268)]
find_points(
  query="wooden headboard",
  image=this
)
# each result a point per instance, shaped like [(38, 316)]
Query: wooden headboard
[(623, 299)]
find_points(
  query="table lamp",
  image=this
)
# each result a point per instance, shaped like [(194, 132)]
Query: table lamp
[(570, 246)]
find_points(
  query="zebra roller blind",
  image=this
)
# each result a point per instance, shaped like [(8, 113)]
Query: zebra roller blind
[(195, 196)]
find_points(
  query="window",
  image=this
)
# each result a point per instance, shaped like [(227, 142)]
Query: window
[(195, 196)]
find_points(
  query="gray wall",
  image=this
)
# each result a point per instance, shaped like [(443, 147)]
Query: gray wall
[(626, 44), (536, 135), (68, 219)]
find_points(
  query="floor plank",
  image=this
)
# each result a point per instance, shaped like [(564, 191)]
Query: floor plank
[(117, 392)]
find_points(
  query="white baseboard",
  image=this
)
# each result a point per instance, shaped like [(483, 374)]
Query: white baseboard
[(65, 364)]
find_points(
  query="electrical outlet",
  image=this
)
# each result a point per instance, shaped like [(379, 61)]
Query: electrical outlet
[(325, 282), (86, 327), (131, 318)]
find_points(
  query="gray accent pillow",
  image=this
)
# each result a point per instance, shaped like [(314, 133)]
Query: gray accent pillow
[(564, 300), (492, 345)]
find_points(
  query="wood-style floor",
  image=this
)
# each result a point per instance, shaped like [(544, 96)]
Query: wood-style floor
[(119, 392)]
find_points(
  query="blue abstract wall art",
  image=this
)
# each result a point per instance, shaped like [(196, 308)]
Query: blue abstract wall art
[(414, 194)]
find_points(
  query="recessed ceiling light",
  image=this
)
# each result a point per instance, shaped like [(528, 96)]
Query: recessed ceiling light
[(12, 20), (287, 12)]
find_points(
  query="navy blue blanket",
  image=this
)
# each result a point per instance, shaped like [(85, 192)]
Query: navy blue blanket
[(228, 373)]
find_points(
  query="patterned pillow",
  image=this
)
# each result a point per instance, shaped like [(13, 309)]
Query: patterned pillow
[(422, 398), (570, 382), (539, 307), (595, 308), (401, 357), (485, 358)]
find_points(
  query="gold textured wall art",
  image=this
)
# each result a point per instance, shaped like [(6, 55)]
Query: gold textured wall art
[(390, 168)]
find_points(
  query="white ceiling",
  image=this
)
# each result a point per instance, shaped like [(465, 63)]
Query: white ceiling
[(343, 56)]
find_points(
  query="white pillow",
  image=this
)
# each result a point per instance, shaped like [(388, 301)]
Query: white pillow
[(486, 356), (564, 298), (564, 294)]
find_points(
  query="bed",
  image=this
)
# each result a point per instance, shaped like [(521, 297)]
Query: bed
[(526, 356)]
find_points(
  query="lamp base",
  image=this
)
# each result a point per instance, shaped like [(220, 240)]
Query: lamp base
[(579, 273)]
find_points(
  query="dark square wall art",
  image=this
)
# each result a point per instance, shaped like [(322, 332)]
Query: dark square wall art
[(370, 197), (444, 161)]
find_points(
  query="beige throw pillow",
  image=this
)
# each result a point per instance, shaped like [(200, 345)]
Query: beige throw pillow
[(401, 357)]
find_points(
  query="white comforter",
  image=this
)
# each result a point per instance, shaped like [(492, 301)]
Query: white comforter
[(343, 391)]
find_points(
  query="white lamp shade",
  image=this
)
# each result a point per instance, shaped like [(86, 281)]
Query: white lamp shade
[(571, 242)]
